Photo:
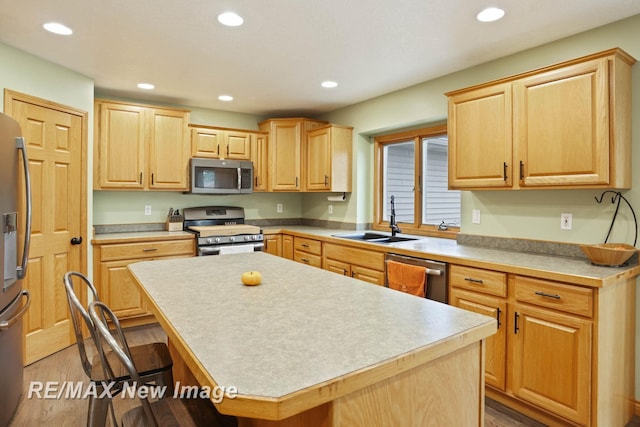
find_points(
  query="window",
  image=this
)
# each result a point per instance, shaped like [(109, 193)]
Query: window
[(413, 167)]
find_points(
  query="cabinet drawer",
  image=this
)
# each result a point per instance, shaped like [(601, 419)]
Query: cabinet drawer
[(118, 251), (479, 280), (307, 258), (308, 245), (364, 258), (559, 296)]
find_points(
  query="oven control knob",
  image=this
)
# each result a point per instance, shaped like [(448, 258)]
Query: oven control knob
[(247, 237), (256, 237), (217, 240), (232, 239), (209, 240)]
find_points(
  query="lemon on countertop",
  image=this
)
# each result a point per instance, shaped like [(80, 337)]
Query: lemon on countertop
[(251, 278)]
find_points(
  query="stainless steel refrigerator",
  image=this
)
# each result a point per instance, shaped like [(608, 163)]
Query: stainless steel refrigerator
[(14, 300)]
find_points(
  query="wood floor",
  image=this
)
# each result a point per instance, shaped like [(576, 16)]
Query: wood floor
[(65, 366)]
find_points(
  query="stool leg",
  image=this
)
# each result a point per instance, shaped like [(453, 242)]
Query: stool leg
[(97, 412)]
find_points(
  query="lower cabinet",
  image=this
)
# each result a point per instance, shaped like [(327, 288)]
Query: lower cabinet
[(273, 244), (114, 283), (543, 360), (307, 251), (364, 265)]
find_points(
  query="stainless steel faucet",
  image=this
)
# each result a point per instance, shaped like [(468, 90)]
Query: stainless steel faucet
[(392, 219)]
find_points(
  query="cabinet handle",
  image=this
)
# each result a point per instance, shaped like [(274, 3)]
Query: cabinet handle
[(498, 317), (140, 177), (218, 149), (504, 171), (353, 274), (227, 151), (543, 294), (304, 260), (472, 280), (151, 179), (296, 182), (345, 272), (256, 179), (515, 327), (326, 180), (149, 249), (521, 170), (304, 245), (266, 244)]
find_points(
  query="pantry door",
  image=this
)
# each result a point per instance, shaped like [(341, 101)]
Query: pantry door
[(56, 140)]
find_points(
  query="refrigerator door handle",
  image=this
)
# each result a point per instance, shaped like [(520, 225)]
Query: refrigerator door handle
[(6, 324), (22, 269)]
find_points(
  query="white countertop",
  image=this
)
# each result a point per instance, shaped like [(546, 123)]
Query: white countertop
[(301, 327)]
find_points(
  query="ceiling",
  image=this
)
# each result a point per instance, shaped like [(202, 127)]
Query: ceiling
[(273, 64)]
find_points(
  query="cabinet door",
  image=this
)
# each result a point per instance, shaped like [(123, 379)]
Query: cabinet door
[(496, 345), (168, 150), (368, 275), (259, 156), (336, 266), (561, 126), (551, 361), (480, 144), (238, 145), (121, 152), (284, 155), (287, 246), (273, 244), (319, 159), (119, 290), (206, 142)]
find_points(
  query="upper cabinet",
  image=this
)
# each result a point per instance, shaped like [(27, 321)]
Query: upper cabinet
[(329, 158), (287, 151), (140, 147), (220, 143), (260, 159), (563, 126)]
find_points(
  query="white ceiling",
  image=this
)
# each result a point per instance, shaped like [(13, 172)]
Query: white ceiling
[(273, 65)]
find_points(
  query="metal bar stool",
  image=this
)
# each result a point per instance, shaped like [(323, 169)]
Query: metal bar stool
[(153, 359), (166, 410)]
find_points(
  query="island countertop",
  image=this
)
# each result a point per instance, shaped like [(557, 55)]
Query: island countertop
[(304, 337)]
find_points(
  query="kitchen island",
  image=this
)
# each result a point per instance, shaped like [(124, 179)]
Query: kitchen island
[(310, 347)]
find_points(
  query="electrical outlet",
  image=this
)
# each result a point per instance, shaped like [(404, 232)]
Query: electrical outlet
[(279, 208), (147, 210), (475, 218), (565, 221), (330, 209)]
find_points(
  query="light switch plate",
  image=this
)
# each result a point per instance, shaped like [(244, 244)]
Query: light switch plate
[(566, 220), (475, 217)]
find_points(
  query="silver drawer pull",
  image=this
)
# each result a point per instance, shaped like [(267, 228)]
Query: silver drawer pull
[(149, 249), (543, 294), (472, 280)]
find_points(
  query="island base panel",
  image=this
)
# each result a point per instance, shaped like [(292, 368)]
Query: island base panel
[(445, 391)]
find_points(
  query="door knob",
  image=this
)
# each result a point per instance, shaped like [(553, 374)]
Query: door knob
[(76, 240)]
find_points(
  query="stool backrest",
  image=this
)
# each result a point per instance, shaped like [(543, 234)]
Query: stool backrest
[(115, 341), (79, 314)]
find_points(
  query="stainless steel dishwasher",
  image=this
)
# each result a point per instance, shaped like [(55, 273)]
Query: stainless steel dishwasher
[(436, 272)]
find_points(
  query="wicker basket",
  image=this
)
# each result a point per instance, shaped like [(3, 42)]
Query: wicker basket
[(609, 254)]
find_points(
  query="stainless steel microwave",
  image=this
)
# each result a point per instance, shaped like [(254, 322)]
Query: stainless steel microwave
[(215, 176)]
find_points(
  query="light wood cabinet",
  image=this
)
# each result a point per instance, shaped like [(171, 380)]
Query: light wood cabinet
[(563, 126), (220, 143), (273, 244), (140, 147), (484, 292), (357, 263), (307, 251), (545, 359), (329, 157), (287, 151), (260, 158), (113, 281), (287, 246)]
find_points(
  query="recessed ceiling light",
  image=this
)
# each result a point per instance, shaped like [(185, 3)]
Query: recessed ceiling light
[(230, 19), (57, 28), (147, 86), (225, 98), (329, 84), (490, 14)]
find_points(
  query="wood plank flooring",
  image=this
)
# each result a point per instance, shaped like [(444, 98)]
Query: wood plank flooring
[(65, 366)]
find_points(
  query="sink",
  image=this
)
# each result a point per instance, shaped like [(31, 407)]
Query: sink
[(371, 237)]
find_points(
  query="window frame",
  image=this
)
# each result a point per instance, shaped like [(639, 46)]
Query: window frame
[(416, 227)]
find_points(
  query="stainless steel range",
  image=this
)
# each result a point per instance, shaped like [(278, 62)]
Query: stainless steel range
[(221, 230)]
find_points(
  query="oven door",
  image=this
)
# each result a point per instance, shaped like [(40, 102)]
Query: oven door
[(230, 249)]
